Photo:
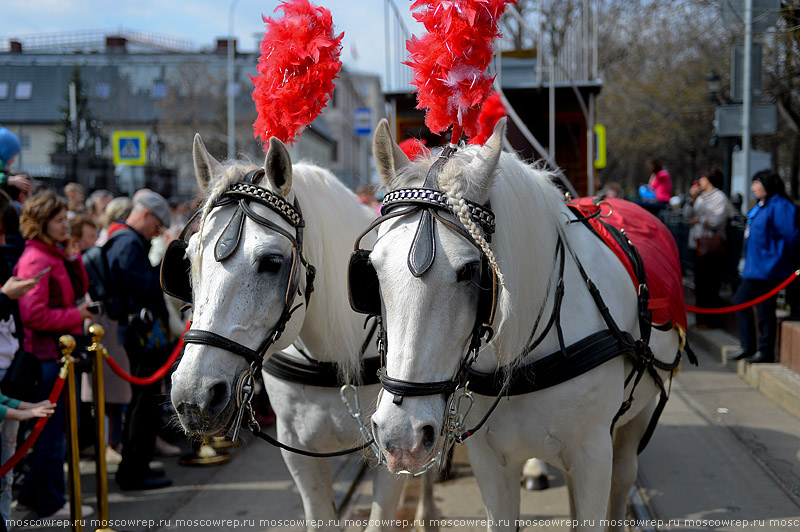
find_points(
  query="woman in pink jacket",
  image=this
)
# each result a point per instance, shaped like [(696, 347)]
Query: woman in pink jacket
[(47, 312)]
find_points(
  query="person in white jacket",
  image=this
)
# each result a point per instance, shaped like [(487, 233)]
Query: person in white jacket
[(707, 211)]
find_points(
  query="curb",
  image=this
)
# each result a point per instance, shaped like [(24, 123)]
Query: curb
[(775, 381)]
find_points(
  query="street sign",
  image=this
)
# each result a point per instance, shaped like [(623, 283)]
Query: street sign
[(765, 13), (130, 148), (599, 146), (362, 118), (737, 71), (763, 120)]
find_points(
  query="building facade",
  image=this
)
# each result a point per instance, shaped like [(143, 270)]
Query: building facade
[(163, 87)]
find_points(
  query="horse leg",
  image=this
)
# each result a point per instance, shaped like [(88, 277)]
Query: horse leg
[(426, 507), (312, 476), (589, 470), (386, 492), (498, 480), (570, 496), (623, 476)]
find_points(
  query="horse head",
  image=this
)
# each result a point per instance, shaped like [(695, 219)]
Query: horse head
[(247, 267), (432, 265)]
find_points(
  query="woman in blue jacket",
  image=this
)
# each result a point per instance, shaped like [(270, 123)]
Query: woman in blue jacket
[(772, 239)]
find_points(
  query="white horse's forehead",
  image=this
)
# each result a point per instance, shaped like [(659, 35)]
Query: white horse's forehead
[(396, 235), (262, 239), (425, 316)]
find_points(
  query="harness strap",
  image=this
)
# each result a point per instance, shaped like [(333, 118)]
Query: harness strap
[(662, 402), (272, 441), (559, 296), (318, 373), (195, 336), (552, 369), (400, 388), (642, 356), (322, 374)]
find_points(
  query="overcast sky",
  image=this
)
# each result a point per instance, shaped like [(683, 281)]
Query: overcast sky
[(202, 21)]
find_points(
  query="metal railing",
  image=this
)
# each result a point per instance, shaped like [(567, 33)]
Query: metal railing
[(398, 75), (67, 41), (567, 56)]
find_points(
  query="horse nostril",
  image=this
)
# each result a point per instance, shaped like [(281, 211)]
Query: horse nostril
[(428, 438), (218, 397)]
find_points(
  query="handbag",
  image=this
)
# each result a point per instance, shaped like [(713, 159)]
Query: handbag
[(710, 244), (23, 378)]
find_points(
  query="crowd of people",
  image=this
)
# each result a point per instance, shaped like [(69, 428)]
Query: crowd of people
[(49, 289), (771, 250)]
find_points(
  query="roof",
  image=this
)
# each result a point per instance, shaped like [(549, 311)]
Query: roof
[(121, 87)]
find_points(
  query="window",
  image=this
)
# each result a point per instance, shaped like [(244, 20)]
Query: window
[(24, 90), (102, 91), (3, 90), (159, 90)]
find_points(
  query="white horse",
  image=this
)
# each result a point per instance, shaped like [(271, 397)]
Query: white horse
[(430, 318), (243, 297)]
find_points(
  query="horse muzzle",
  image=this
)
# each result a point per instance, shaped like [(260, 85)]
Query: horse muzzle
[(203, 410), (408, 450)]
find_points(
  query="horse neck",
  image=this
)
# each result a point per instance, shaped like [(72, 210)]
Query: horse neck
[(579, 314), (334, 218), (529, 215)]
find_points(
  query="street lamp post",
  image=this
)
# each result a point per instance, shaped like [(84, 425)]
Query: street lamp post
[(714, 88), (230, 91)]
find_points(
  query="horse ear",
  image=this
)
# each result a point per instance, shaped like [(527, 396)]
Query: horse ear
[(278, 166), (485, 162), (389, 158), (204, 164)]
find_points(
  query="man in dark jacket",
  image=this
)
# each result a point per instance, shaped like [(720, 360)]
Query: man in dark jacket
[(143, 333)]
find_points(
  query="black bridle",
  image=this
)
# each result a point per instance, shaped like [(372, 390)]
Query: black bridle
[(175, 272), (175, 280), (242, 194), (363, 285)]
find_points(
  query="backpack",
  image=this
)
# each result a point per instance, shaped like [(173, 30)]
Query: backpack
[(101, 286)]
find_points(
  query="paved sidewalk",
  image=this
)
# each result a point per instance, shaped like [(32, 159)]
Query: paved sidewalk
[(723, 450)]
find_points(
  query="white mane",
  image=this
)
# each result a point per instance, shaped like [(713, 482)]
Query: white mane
[(333, 218), (526, 205)]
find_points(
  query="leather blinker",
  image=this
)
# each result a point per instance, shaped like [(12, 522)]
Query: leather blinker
[(229, 240)]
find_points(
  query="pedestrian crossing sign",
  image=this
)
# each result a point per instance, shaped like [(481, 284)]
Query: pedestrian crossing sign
[(130, 148)]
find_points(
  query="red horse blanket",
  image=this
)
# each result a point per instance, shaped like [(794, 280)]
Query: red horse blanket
[(655, 245)]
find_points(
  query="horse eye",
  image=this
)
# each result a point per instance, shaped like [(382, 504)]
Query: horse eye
[(270, 264), (467, 272)]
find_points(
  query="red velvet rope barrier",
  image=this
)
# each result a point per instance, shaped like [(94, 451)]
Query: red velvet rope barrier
[(37, 429), (756, 301), (144, 381)]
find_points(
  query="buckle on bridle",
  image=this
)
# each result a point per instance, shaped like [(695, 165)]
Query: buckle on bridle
[(245, 390)]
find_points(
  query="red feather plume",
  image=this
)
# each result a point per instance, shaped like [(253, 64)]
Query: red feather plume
[(299, 61), (414, 148), (491, 111), (450, 61)]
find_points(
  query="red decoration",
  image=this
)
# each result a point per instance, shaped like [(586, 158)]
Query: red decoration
[(450, 61), (414, 148), (492, 111), (299, 61)]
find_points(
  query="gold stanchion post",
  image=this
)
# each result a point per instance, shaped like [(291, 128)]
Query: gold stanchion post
[(99, 352), (206, 455), (67, 344)]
